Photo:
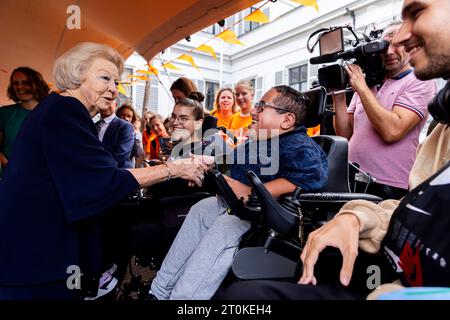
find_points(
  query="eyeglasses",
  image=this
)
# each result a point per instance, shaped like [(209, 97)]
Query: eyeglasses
[(259, 106), (181, 119)]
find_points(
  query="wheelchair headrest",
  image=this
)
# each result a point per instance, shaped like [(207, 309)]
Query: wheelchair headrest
[(327, 143), (316, 108)]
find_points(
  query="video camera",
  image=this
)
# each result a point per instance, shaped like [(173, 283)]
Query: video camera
[(366, 53)]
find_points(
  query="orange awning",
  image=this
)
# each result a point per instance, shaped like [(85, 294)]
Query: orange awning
[(34, 33)]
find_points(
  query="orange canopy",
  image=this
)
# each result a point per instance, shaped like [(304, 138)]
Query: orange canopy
[(33, 32)]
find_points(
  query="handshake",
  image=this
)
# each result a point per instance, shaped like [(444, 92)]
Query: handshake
[(192, 169)]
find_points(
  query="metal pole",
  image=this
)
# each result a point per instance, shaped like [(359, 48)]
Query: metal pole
[(221, 61), (146, 102)]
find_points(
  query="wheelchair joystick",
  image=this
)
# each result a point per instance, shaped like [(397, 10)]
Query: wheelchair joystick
[(297, 192), (253, 202), (276, 216)]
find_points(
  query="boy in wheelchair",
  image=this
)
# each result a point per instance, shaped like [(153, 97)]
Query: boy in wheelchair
[(202, 253)]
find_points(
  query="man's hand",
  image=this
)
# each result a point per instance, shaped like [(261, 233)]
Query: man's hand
[(241, 190), (343, 233), (356, 78)]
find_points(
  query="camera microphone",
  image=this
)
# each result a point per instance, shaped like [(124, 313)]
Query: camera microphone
[(372, 48), (331, 57)]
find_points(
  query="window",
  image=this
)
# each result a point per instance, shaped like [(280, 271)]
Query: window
[(139, 100), (126, 86), (210, 91), (249, 25), (201, 85), (279, 78), (298, 77), (154, 91), (214, 29), (140, 94), (258, 85)]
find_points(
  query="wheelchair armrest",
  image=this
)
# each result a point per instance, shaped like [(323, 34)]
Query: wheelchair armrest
[(220, 186), (335, 198), (276, 217)]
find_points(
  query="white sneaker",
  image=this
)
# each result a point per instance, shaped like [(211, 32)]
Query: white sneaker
[(107, 283)]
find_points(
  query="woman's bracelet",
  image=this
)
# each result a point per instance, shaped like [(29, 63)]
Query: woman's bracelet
[(169, 173)]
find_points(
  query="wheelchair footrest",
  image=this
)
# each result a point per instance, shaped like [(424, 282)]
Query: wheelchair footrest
[(255, 263)]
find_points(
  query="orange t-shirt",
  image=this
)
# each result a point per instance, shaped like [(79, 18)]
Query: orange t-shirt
[(221, 120), (237, 121), (239, 126), (151, 145), (313, 131)]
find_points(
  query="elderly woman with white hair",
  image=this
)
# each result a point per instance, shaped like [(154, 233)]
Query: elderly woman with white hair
[(61, 180)]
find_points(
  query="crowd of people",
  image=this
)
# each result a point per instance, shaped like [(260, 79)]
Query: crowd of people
[(51, 208)]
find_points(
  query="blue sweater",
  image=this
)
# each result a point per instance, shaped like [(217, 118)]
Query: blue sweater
[(59, 180), (293, 156)]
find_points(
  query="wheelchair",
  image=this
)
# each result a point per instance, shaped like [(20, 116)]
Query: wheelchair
[(272, 247)]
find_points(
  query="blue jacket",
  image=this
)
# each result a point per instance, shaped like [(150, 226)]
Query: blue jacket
[(119, 140), (59, 180), (292, 155)]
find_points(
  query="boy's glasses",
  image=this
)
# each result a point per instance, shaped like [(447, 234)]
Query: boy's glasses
[(261, 105)]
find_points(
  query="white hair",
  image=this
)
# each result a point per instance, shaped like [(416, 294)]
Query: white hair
[(69, 68)]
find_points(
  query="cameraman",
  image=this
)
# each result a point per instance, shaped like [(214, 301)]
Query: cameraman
[(383, 123)]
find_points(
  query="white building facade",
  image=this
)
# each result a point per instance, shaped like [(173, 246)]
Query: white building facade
[(274, 53)]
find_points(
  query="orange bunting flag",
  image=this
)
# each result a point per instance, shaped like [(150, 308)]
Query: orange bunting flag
[(121, 89), (168, 65), (229, 36), (189, 59), (144, 71), (152, 69), (310, 3), (257, 16), (143, 78), (208, 49)]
